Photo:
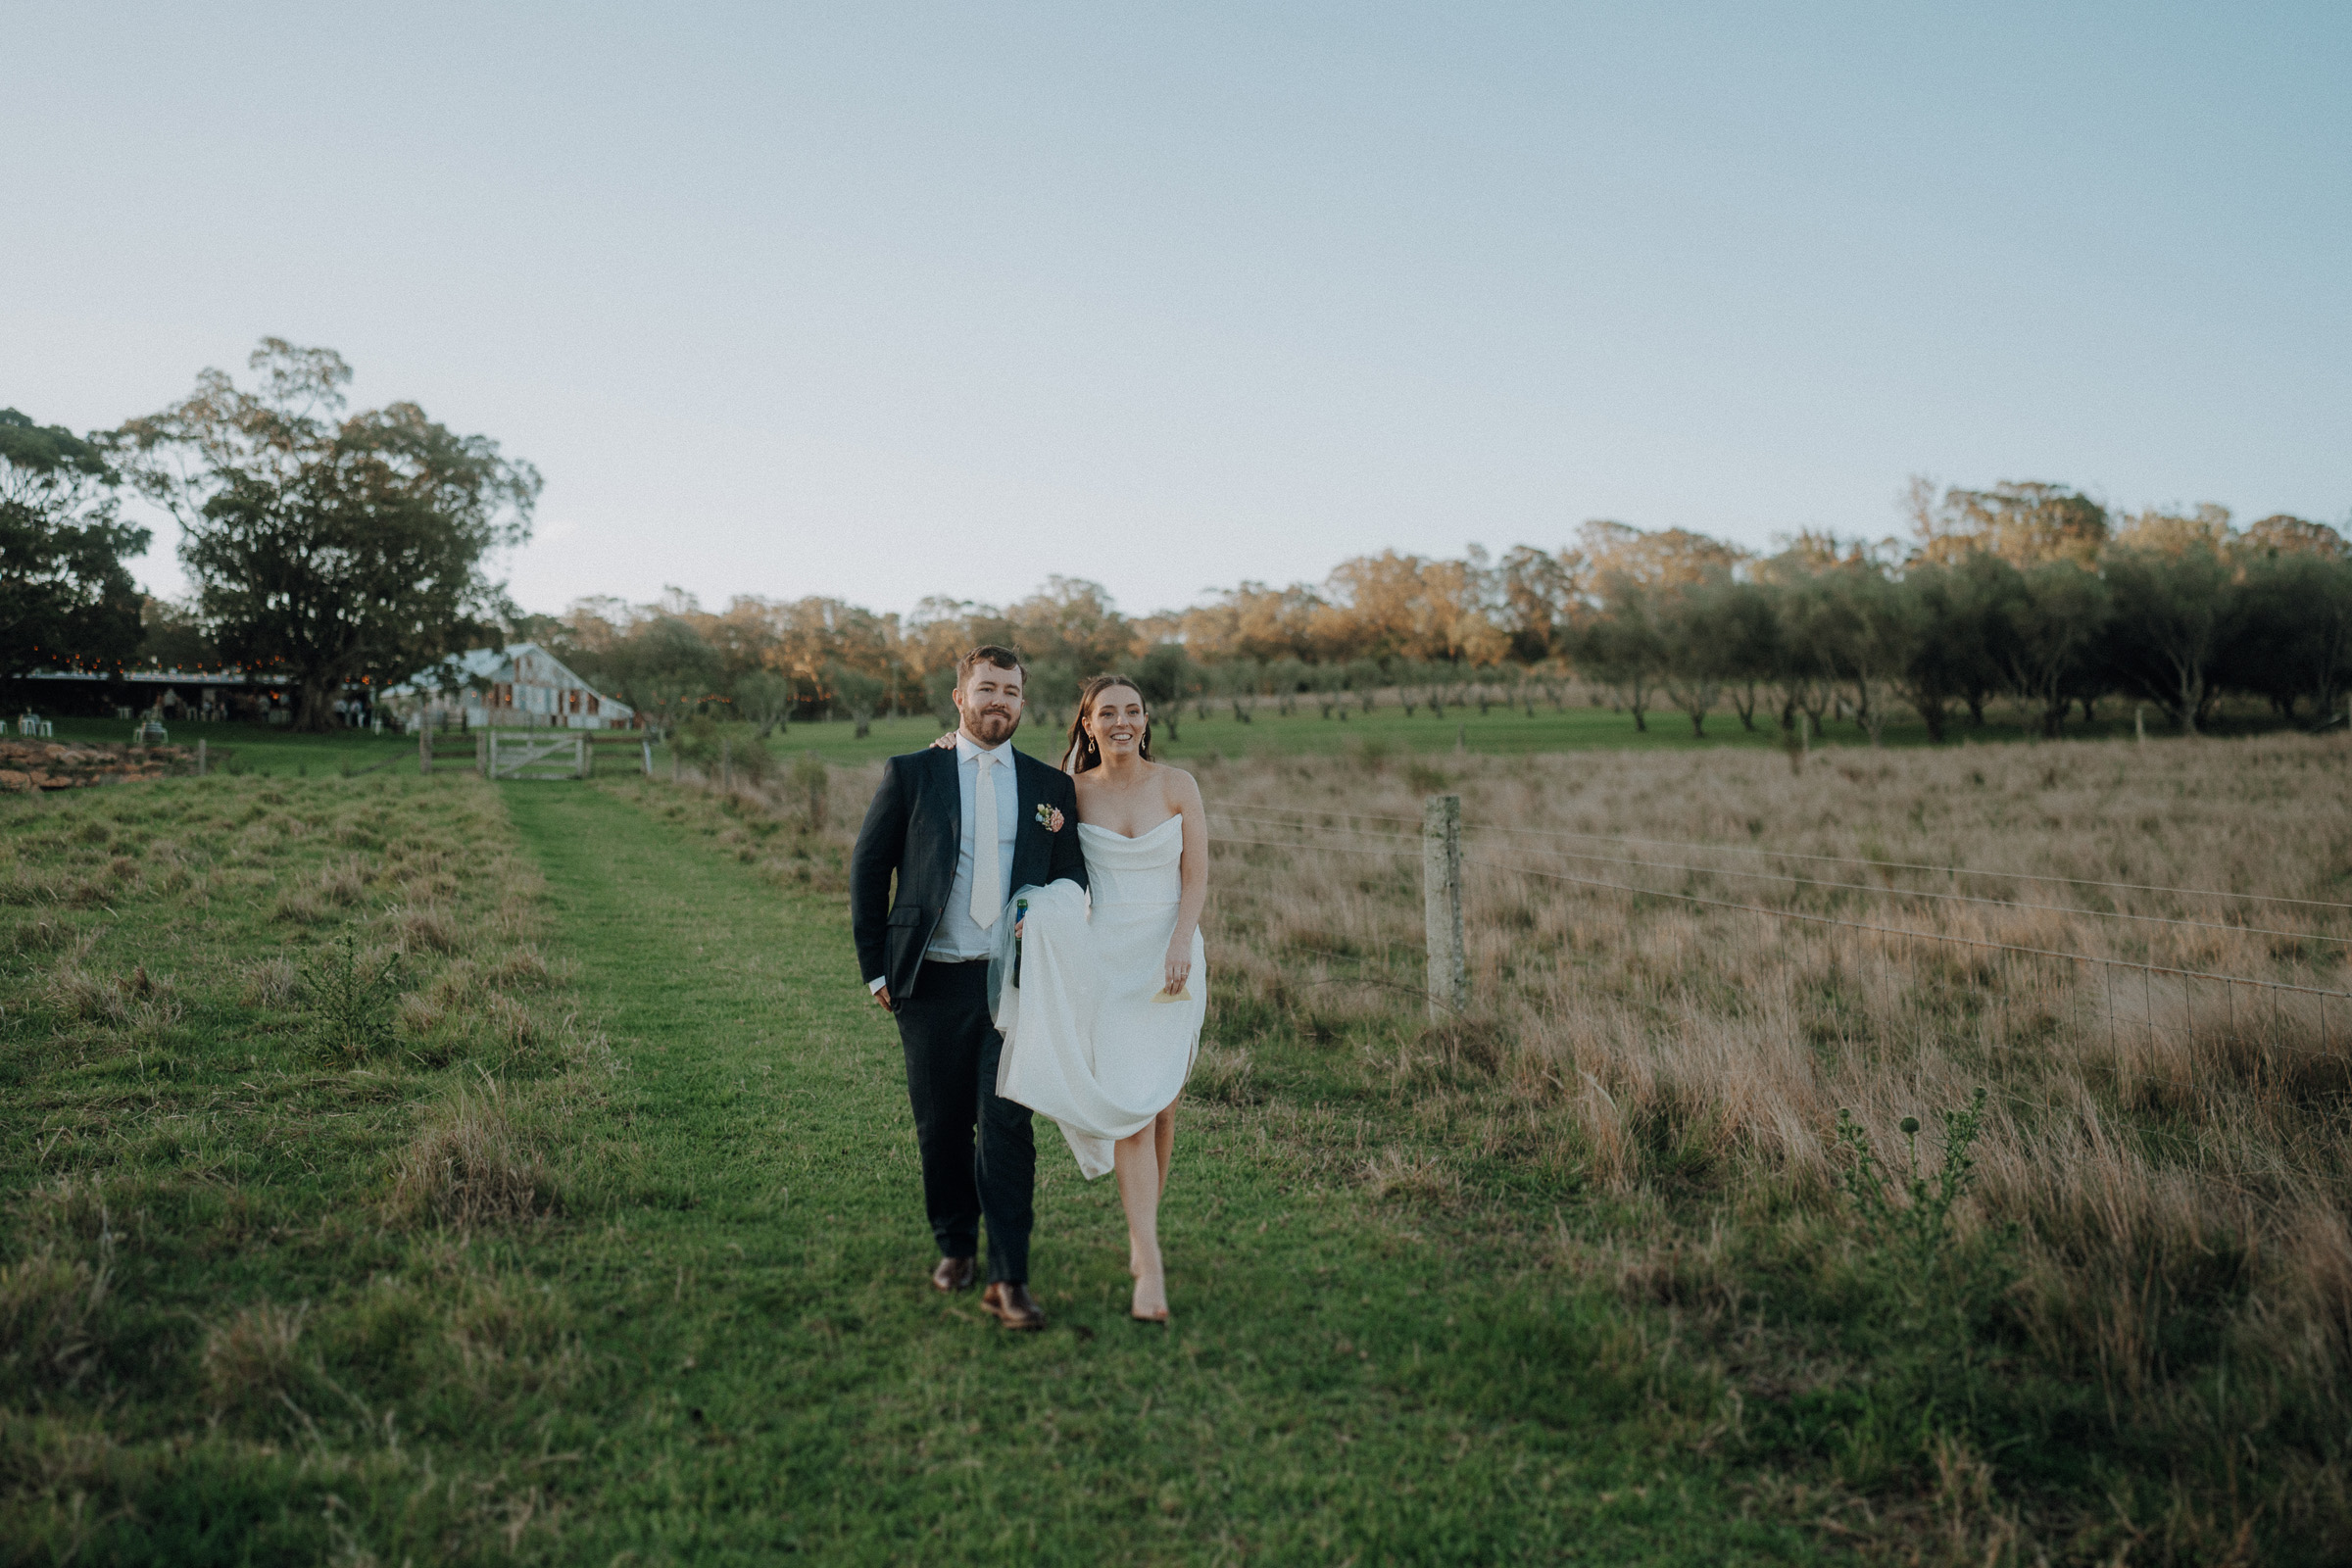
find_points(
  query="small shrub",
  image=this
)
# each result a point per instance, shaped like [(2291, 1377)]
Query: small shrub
[(352, 997), (722, 749)]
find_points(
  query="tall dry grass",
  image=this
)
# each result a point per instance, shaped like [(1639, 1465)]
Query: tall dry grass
[(2163, 1144)]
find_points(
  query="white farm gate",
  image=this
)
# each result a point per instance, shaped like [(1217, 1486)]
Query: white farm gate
[(536, 752)]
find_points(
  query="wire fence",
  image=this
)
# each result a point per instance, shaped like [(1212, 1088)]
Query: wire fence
[(2232, 1001), (1306, 818)]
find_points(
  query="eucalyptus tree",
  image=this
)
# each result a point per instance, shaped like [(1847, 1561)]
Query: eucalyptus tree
[(333, 547), (65, 594)]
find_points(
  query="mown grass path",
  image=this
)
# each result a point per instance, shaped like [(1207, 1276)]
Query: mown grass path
[(1344, 1381)]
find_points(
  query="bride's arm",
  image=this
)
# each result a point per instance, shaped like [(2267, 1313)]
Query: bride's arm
[(1184, 793)]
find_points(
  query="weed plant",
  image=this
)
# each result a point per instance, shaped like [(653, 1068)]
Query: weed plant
[(1938, 1287), (353, 998)]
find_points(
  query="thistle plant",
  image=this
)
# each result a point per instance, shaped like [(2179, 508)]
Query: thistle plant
[(1941, 1287)]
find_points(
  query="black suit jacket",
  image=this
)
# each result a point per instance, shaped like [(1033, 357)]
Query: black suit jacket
[(913, 828)]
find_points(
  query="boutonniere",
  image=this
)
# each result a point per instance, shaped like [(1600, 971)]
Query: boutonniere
[(1048, 817)]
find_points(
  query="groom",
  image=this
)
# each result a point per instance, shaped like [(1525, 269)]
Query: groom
[(962, 828)]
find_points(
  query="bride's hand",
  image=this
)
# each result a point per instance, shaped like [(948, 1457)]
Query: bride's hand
[(1180, 968), (948, 739)]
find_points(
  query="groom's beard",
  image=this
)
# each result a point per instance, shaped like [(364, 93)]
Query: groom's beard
[(992, 726)]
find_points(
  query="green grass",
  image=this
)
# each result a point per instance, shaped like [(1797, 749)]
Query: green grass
[(260, 748), (1338, 1383), (240, 1324), (1501, 731)]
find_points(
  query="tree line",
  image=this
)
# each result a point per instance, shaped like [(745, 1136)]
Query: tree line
[(349, 550), (2028, 593)]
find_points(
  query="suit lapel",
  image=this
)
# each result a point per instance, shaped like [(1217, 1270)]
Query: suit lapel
[(1025, 831), (947, 812)]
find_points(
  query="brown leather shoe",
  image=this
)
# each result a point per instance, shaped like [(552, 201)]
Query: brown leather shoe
[(952, 1274), (1011, 1305)]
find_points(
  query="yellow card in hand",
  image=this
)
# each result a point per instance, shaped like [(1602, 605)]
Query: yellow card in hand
[(1185, 995)]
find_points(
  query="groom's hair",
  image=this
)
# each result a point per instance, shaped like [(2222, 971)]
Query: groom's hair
[(990, 653)]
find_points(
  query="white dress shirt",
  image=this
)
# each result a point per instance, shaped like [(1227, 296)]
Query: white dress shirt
[(958, 936)]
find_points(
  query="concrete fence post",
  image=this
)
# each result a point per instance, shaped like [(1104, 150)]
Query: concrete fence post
[(200, 760), (1441, 904), (424, 747)]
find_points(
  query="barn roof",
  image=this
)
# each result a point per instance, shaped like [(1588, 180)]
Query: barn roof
[(496, 664)]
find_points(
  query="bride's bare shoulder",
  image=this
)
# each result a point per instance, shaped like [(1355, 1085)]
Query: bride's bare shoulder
[(1179, 786)]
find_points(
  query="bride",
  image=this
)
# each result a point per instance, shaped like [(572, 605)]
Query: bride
[(1102, 1004)]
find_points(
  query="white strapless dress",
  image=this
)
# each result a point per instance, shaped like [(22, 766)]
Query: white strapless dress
[(1084, 1040)]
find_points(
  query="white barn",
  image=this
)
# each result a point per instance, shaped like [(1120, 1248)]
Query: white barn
[(521, 685)]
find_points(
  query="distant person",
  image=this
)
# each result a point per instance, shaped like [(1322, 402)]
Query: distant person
[(1104, 1020), (962, 826)]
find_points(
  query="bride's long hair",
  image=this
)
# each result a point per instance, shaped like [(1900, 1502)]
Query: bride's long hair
[(1082, 753)]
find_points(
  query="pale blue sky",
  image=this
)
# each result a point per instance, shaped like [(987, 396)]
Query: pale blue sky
[(885, 301)]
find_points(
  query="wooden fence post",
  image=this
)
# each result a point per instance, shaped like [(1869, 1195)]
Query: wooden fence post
[(484, 754), (1442, 902), (200, 760)]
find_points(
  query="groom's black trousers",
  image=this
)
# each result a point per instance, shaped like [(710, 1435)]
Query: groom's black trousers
[(952, 1050)]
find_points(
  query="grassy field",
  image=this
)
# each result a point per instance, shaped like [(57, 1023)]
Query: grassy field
[(569, 1212), (1208, 729), (604, 1237), (1575, 727), (260, 748)]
